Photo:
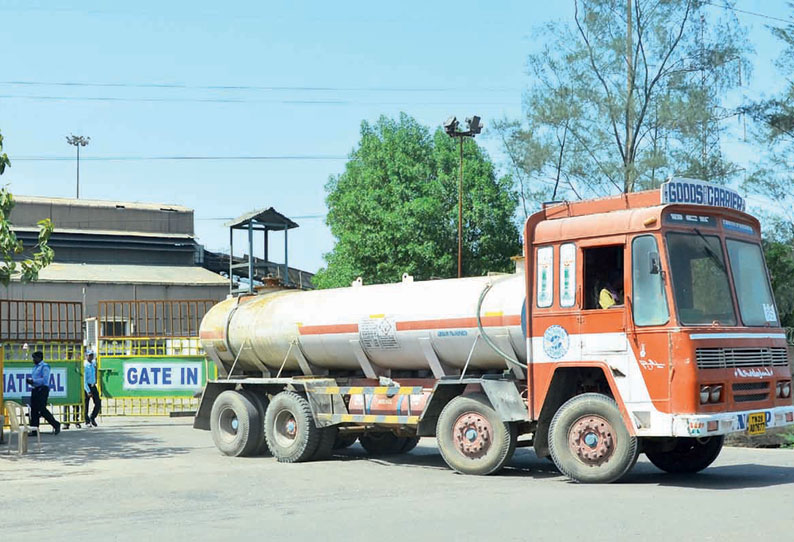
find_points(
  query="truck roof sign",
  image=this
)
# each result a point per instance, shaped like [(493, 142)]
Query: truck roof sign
[(694, 192)]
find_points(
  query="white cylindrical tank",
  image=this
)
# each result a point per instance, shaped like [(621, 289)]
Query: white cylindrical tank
[(391, 323)]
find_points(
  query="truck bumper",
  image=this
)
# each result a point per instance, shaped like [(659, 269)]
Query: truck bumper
[(702, 425)]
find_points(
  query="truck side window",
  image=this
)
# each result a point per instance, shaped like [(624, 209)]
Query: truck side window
[(567, 275), (545, 276), (649, 305), (603, 277)]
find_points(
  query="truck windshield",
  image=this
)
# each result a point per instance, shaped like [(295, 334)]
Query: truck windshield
[(700, 279), (756, 305)]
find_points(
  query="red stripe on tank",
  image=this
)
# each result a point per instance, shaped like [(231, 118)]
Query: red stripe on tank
[(329, 329)]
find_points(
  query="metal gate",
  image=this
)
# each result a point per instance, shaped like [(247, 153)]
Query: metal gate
[(150, 358), (56, 329)]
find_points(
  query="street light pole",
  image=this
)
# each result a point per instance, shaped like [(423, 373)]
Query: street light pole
[(78, 141), (451, 128)]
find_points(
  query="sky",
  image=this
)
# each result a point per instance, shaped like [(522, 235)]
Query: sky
[(284, 84)]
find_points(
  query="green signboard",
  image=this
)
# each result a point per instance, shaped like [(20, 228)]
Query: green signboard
[(66, 382), (160, 376)]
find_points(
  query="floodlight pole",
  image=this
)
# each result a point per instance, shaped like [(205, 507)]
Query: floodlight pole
[(451, 128), (78, 141), (460, 212)]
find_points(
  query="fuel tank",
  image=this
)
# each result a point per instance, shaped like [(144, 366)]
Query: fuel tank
[(400, 326)]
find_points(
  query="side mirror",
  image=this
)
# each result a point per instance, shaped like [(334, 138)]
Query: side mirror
[(654, 265)]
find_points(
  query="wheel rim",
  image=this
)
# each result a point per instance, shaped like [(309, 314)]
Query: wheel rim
[(472, 434), (592, 440), (285, 428), (228, 424)]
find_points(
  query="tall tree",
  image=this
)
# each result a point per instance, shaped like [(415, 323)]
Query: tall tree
[(623, 96), (14, 258), (394, 208), (771, 178)]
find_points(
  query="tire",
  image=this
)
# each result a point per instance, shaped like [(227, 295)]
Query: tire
[(343, 440), (325, 447), (290, 432), (235, 424), (472, 437), (382, 443), (410, 444), (260, 403), (689, 455), (612, 452)]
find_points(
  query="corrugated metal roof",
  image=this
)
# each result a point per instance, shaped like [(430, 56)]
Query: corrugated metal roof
[(267, 217), (114, 233), (102, 203), (131, 274)]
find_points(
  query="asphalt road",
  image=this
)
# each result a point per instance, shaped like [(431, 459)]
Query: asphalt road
[(150, 478)]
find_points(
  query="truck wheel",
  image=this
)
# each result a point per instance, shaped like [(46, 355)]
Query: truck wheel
[(472, 437), (688, 455), (260, 402), (290, 432), (235, 424), (382, 443), (410, 444), (343, 440), (326, 445), (589, 442)]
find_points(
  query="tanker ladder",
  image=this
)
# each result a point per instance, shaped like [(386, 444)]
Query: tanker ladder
[(476, 420)]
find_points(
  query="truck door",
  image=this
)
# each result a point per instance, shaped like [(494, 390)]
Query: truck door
[(649, 335), (602, 323)]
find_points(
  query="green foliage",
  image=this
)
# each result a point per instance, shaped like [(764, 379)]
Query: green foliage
[(771, 178), (780, 262), (394, 209), (11, 248), (593, 126)]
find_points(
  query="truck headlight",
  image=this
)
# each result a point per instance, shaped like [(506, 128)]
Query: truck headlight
[(705, 393), (716, 394), (786, 389)]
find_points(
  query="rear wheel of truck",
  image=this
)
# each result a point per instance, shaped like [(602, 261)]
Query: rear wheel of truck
[(235, 424), (326, 445), (260, 402), (684, 455), (344, 440), (589, 442), (383, 443), (290, 431), (472, 438)]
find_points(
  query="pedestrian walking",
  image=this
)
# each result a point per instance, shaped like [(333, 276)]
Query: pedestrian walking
[(89, 386), (39, 380)]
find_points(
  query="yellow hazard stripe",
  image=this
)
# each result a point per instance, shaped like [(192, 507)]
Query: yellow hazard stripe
[(369, 418), (367, 390)]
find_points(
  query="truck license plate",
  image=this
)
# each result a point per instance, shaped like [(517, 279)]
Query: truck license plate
[(756, 423)]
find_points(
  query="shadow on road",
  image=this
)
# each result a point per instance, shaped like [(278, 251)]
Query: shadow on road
[(83, 446), (743, 476)]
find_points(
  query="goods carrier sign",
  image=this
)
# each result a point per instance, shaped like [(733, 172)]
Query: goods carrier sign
[(694, 192)]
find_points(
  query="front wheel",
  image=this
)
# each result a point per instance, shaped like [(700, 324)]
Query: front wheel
[(687, 455), (589, 442), (472, 437)]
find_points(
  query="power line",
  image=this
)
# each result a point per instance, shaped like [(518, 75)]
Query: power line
[(235, 100), (180, 158), (746, 12), (260, 88)]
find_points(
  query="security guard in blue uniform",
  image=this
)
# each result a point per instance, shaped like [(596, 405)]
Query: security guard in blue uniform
[(39, 380), (89, 386)]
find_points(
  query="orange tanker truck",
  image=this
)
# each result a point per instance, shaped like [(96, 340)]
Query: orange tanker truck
[(641, 323)]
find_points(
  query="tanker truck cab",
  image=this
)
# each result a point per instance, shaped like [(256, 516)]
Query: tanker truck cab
[(640, 323)]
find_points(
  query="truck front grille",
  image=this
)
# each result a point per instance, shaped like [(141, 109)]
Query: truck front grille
[(729, 358), (751, 397), (750, 386)]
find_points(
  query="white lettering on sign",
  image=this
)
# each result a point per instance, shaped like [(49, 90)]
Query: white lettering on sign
[(753, 373), (15, 387), (694, 192), (162, 376)]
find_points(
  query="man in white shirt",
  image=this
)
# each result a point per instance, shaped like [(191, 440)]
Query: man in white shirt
[(89, 386)]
